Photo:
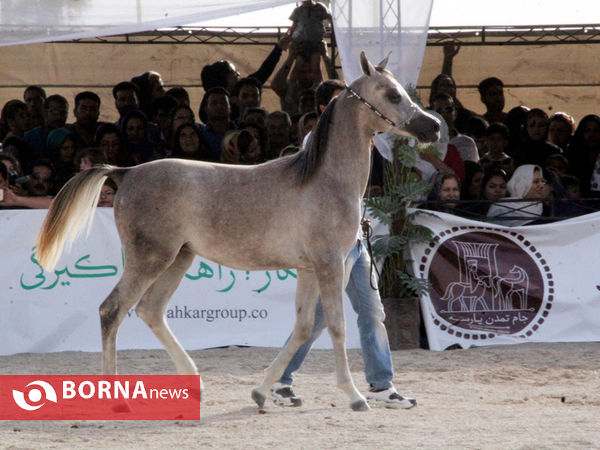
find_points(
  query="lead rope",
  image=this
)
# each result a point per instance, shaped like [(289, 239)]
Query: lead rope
[(367, 230)]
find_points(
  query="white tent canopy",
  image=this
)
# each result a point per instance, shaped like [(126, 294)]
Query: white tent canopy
[(54, 20), (23, 22), (359, 25)]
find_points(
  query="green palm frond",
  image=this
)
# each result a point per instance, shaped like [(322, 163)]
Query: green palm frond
[(386, 245)]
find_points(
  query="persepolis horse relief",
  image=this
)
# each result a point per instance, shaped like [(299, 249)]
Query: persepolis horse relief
[(474, 292)]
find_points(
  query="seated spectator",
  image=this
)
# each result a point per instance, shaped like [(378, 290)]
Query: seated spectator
[(55, 112), (162, 111), (61, 147), (4, 183), (126, 95), (443, 104), (256, 116), (516, 121), (527, 183), (107, 194), (181, 114), (87, 111), (444, 195), (491, 93), (560, 129), (583, 152), (34, 97), (306, 123), (180, 94), (240, 147), (215, 113), (536, 148), (150, 87), (38, 189), (254, 151), (279, 127), (497, 139), (572, 187), (110, 139), (557, 164), (12, 165), (90, 157), (572, 205), (475, 128), (248, 92), (493, 188), (471, 188), (17, 120), (137, 148), (189, 143)]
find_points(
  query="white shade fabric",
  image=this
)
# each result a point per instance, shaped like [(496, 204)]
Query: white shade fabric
[(26, 22)]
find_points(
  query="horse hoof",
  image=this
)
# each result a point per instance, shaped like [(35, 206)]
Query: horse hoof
[(360, 405), (258, 398)]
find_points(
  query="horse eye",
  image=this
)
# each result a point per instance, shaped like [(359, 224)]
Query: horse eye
[(394, 96)]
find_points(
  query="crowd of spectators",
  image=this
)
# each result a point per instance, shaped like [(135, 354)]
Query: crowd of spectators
[(519, 166), (41, 151), (478, 159)]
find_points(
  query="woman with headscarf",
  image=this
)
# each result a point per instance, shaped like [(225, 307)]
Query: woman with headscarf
[(138, 147), (61, 147), (583, 153), (445, 193), (189, 143), (527, 182)]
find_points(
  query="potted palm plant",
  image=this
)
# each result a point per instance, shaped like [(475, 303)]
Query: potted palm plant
[(399, 288)]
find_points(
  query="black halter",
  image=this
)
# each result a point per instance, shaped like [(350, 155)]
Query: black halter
[(409, 117)]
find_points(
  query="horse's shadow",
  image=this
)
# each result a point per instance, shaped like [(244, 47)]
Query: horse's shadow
[(252, 411)]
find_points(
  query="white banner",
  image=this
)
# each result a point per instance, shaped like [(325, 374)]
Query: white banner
[(214, 305), (496, 285)]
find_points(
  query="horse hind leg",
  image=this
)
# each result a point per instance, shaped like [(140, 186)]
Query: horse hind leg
[(307, 293), (152, 306), (139, 274)]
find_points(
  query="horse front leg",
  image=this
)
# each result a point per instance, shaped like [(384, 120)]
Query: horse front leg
[(332, 284), (307, 294)]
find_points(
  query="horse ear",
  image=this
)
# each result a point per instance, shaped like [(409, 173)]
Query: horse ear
[(383, 63), (366, 66)]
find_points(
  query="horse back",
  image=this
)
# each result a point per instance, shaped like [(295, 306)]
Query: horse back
[(247, 217)]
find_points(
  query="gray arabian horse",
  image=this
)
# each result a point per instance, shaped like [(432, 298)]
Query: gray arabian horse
[(300, 211)]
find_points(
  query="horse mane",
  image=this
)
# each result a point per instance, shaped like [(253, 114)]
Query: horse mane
[(306, 162)]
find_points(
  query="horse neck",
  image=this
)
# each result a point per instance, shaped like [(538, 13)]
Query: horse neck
[(349, 142)]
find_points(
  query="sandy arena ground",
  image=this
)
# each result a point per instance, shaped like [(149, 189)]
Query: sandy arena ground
[(530, 396)]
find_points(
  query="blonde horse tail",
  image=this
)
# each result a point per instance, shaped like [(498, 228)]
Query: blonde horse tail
[(70, 211)]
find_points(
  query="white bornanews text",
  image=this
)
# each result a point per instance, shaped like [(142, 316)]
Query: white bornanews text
[(105, 389)]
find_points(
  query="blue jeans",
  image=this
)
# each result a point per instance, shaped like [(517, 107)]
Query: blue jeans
[(373, 335)]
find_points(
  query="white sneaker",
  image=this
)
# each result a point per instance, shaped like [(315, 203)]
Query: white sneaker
[(390, 399), (283, 395)]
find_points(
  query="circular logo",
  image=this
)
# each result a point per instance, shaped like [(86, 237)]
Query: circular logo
[(486, 282)]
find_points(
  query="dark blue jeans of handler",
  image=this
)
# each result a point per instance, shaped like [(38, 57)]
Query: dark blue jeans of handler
[(373, 336)]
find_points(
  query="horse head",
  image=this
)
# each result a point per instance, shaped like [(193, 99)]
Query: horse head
[(393, 109)]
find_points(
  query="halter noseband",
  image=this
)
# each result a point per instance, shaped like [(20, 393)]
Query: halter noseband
[(409, 117)]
